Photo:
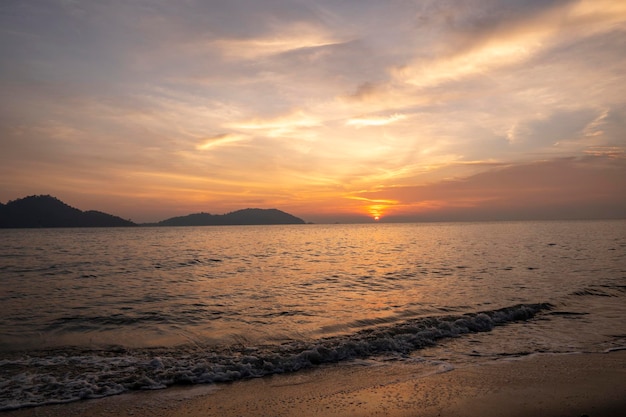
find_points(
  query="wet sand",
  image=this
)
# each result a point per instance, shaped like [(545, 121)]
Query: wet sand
[(540, 385)]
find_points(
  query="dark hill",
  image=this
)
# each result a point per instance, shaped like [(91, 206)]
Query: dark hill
[(250, 216), (48, 211)]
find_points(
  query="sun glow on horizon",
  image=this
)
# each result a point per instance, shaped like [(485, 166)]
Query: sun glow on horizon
[(376, 211)]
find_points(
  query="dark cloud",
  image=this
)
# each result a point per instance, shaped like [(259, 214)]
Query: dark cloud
[(365, 91), (613, 126), (549, 131), (467, 23), (588, 187)]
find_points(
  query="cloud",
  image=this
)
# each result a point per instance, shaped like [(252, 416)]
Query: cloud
[(290, 38), (224, 139), (584, 187), (493, 55), (561, 126), (503, 39), (612, 152), (281, 126), (375, 121)]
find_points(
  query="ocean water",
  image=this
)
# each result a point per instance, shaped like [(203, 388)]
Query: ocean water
[(87, 313)]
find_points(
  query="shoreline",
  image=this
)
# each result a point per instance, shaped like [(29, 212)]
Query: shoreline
[(547, 385)]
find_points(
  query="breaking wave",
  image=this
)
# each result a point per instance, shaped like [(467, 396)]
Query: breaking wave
[(70, 374)]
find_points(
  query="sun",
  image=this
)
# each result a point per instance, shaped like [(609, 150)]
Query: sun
[(376, 211)]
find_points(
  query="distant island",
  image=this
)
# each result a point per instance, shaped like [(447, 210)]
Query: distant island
[(47, 211), (249, 216)]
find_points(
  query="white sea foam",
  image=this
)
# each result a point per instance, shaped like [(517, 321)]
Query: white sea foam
[(55, 377)]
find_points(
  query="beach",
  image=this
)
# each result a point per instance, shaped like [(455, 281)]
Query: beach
[(591, 384)]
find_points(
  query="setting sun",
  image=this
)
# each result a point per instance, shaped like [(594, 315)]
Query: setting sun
[(376, 211)]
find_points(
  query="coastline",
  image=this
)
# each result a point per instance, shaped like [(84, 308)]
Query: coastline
[(547, 385)]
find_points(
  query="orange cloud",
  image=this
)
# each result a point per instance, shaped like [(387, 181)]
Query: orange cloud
[(562, 188), (224, 139), (375, 121), (286, 38)]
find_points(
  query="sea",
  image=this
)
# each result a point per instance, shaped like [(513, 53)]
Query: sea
[(94, 312)]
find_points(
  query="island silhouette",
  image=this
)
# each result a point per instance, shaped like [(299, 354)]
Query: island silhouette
[(249, 216), (39, 211)]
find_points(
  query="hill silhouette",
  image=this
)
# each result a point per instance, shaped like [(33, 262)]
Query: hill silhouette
[(48, 211), (249, 216)]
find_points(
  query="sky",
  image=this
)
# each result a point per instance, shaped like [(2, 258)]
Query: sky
[(332, 110)]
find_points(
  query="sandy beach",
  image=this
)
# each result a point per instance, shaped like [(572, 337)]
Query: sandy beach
[(538, 385)]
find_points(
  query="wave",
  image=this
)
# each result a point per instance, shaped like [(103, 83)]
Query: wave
[(601, 291), (65, 375)]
